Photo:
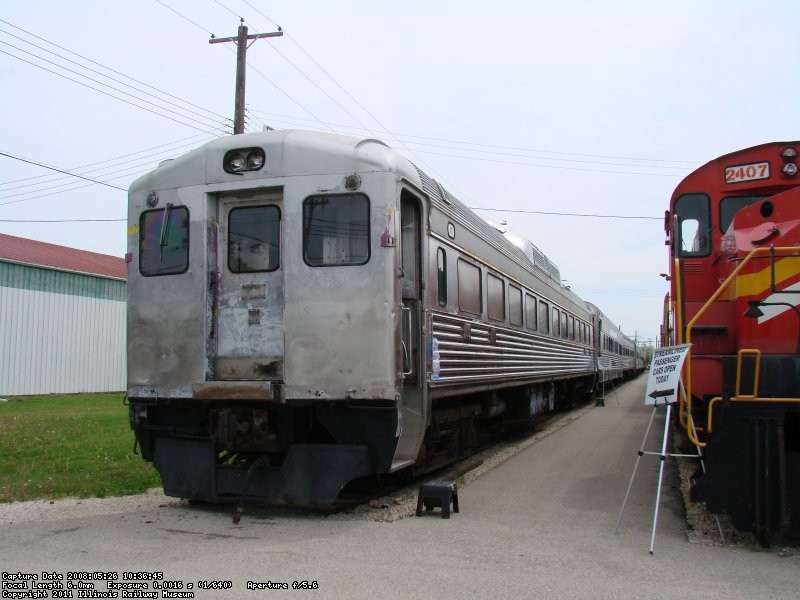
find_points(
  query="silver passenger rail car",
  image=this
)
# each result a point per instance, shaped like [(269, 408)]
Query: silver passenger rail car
[(305, 309)]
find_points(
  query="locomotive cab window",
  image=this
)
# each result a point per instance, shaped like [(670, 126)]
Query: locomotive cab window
[(336, 230), (164, 241), (728, 207), (254, 239), (694, 225)]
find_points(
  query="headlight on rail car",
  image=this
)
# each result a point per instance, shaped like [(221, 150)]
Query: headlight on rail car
[(789, 155), (243, 159)]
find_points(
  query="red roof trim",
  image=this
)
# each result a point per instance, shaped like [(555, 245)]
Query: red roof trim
[(42, 254)]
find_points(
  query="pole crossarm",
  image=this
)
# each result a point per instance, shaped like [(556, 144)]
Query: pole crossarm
[(254, 36)]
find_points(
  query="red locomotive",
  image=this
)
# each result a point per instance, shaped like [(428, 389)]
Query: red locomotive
[(734, 234)]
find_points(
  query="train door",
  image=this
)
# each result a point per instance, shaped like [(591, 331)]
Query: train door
[(411, 285), (250, 297)]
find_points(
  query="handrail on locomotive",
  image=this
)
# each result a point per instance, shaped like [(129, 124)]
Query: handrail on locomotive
[(685, 397)]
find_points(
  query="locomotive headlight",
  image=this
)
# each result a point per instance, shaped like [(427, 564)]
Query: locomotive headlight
[(245, 159), (788, 154)]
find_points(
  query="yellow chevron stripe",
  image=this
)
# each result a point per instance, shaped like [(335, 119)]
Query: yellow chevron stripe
[(754, 284)]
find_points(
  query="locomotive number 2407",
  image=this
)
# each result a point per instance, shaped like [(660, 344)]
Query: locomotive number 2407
[(751, 172)]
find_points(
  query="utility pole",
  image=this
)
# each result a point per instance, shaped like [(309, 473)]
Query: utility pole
[(241, 68)]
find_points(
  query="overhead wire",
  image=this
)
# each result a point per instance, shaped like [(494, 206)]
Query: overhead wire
[(429, 168), (103, 168), (61, 220), (116, 158), (529, 164), (406, 147), (111, 95), (646, 165), (564, 214), (395, 136), (186, 18), (116, 89), (680, 164), (44, 166), (151, 91)]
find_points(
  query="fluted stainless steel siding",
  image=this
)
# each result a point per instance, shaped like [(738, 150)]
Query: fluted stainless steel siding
[(503, 353), (60, 332)]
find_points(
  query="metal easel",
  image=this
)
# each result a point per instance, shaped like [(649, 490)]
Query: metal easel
[(663, 395)]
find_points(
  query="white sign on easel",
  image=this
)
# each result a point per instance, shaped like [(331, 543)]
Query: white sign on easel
[(665, 373)]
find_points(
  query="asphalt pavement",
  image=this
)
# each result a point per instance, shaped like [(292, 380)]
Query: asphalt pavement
[(540, 525)]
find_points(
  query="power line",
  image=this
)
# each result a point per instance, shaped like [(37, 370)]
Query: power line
[(563, 214), (63, 187), (292, 120), (529, 164), (38, 164), (61, 220), (116, 158), (361, 106), (182, 16), (282, 91), (109, 94), (150, 89), (102, 83), (39, 196)]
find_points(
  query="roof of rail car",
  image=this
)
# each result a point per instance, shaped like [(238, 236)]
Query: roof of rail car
[(289, 152)]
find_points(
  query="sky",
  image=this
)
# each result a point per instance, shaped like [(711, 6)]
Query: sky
[(533, 112)]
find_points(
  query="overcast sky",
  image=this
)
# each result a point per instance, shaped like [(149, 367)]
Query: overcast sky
[(526, 107)]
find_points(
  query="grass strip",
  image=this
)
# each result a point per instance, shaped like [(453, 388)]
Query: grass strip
[(69, 446)]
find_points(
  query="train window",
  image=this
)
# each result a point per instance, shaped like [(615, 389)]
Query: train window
[(564, 331), (254, 239), (694, 218), (530, 312), (728, 207), (496, 297), (441, 276), (571, 325), (164, 241), (544, 317), (336, 230), (556, 328), (514, 305), (469, 288)]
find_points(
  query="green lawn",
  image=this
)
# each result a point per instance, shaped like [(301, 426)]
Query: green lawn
[(76, 445)]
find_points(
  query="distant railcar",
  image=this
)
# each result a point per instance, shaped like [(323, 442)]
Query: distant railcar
[(734, 230), (305, 309)]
